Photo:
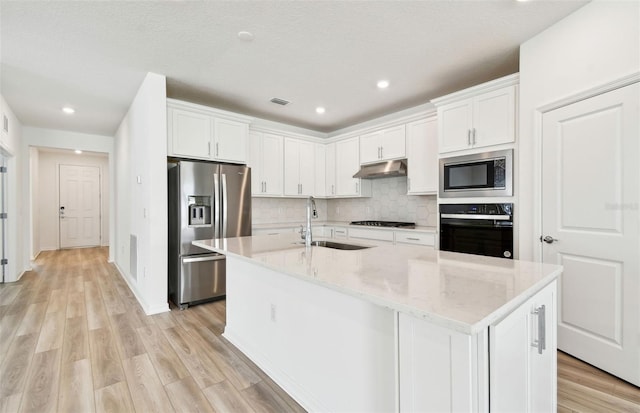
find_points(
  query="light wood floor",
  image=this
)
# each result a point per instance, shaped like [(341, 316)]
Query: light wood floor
[(74, 339)]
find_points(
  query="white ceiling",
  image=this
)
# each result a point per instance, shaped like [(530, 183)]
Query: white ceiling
[(93, 55)]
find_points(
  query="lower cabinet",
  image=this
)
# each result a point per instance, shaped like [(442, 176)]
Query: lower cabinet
[(509, 367), (523, 357)]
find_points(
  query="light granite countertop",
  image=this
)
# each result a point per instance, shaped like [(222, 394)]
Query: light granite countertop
[(462, 292), (338, 224)]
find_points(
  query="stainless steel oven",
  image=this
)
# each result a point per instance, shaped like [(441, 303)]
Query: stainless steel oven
[(478, 175), (482, 229)]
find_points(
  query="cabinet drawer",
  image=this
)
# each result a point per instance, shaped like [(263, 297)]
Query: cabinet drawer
[(375, 234), (421, 238), (340, 233), (274, 231)]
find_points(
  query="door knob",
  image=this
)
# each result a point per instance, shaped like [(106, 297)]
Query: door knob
[(548, 239)]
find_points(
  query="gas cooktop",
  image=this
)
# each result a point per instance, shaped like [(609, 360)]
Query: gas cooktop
[(391, 224)]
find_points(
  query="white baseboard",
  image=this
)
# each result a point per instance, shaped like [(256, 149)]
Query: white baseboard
[(289, 385), (148, 310)]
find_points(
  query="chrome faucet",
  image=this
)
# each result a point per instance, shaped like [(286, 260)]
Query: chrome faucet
[(312, 212)]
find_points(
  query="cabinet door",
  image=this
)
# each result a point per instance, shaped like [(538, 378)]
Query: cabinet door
[(347, 164), (306, 168), (272, 165), (522, 376), (454, 125), (291, 167), (393, 143), (230, 141), (320, 170), (331, 169), (190, 134), (422, 156), (370, 147), (255, 163), (494, 118)]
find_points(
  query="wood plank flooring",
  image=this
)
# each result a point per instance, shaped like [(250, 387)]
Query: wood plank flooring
[(73, 338)]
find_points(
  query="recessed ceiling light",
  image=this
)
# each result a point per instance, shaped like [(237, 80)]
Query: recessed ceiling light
[(246, 36), (383, 84), (78, 151), (320, 110), (68, 110)]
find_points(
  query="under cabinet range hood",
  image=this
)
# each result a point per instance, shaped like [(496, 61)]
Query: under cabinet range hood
[(385, 169)]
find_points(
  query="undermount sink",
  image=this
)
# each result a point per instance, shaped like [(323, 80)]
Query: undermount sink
[(337, 245)]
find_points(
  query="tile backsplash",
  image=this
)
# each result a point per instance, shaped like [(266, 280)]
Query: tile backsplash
[(389, 202)]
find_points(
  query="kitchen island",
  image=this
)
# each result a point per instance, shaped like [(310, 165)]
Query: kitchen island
[(393, 327)]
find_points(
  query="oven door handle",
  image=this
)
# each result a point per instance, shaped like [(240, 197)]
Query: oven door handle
[(477, 216)]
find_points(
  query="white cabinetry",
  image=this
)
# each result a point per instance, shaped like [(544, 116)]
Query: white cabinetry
[(383, 145), (199, 132), (299, 169), (320, 170), (416, 238), (478, 117), (422, 156), (266, 164), (373, 234), (523, 357), (229, 140), (330, 169), (347, 164)]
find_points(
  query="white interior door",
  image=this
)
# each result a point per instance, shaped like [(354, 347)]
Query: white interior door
[(590, 194), (79, 206)]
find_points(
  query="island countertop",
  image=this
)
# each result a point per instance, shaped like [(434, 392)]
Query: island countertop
[(462, 292)]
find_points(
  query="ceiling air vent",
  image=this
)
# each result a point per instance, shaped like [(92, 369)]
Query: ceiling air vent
[(279, 101)]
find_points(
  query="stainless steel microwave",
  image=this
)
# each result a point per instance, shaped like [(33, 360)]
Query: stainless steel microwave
[(478, 175)]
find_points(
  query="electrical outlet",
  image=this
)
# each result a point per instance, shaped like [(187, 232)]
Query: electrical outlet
[(273, 313)]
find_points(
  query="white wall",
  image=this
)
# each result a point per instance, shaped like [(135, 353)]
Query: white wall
[(50, 138), (597, 44), (46, 199), (141, 194), (16, 241)]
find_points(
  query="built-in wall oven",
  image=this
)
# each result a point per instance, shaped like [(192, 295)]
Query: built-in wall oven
[(477, 175), (482, 229)]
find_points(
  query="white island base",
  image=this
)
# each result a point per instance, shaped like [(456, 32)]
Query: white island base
[(393, 328), (334, 352)]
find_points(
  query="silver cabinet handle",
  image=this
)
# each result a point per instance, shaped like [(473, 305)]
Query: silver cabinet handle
[(474, 136), (357, 187), (217, 149), (541, 342), (332, 190), (265, 186), (209, 148), (381, 152), (413, 239), (469, 137), (548, 239)]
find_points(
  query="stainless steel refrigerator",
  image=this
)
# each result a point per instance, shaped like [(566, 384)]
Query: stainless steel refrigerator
[(206, 200)]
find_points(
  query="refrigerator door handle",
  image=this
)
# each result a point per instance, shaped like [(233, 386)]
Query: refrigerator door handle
[(216, 206), (224, 206), (204, 259)]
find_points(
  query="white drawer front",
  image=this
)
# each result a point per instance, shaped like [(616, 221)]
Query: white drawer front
[(340, 232), (376, 234), (416, 238)]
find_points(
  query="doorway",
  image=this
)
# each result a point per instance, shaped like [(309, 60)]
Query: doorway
[(79, 207), (590, 225)]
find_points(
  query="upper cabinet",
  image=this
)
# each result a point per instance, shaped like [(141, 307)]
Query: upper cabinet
[(199, 132), (347, 162), (383, 145), (299, 167), (266, 164), (320, 169), (478, 117), (422, 157), (330, 169)]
